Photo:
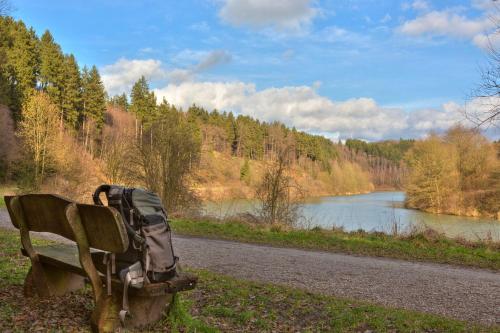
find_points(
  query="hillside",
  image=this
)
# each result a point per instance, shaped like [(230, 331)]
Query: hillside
[(219, 177)]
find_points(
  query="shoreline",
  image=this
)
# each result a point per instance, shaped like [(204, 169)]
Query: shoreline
[(347, 194), (310, 199)]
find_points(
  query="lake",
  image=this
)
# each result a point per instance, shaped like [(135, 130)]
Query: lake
[(377, 211)]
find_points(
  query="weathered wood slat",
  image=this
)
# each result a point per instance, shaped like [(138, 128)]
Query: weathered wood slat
[(46, 213), (64, 256), (104, 228)]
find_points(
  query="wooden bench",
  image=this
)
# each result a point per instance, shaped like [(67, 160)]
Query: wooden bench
[(62, 268)]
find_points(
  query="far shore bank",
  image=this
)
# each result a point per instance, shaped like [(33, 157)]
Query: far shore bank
[(461, 213), (227, 194)]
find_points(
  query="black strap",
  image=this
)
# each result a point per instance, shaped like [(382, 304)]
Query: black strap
[(105, 188)]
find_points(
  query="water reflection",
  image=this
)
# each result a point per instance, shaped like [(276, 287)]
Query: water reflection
[(378, 211)]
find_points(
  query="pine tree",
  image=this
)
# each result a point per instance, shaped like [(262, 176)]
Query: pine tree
[(52, 69), (94, 96), (22, 63), (4, 82), (245, 171), (120, 101), (143, 102), (72, 91)]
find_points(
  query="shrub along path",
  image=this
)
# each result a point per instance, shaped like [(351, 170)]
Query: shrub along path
[(461, 293)]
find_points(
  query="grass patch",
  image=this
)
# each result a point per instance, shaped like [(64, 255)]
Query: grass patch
[(219, 304), (419, 247), (13, 265), (234, 305), (4, 190)]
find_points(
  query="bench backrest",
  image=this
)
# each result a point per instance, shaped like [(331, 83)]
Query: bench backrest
[(42, 213), (103, 226)]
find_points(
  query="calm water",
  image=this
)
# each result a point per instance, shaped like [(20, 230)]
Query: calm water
[(378, 211)]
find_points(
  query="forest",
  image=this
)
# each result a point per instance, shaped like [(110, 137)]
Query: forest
[(60, 131)]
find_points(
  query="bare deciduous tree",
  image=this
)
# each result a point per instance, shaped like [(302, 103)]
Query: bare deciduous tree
[(117, 142), (277, 192), (484, 110), (168, 152), (39, 129)]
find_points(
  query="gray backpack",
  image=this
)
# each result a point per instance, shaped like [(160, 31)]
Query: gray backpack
[(148, 230), (150, 256)]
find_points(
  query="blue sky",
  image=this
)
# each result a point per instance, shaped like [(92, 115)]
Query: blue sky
[(364, 68)]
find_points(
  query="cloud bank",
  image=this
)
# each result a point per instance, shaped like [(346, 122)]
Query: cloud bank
[(285, 15), (304, 108), (299, 106), (452, 23), (119, 77)]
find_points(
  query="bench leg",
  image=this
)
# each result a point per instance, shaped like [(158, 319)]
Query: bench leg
[(48, 280), (143, 311), (147, 310), (105, 317)]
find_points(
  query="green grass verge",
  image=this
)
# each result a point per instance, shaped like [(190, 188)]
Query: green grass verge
[(235, 305), (5, 189), (419, 247), (218, 304)]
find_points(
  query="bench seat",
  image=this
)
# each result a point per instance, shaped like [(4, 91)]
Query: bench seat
[(65, 256)]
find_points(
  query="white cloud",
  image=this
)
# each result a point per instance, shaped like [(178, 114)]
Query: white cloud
[(451, 23), (420, 5), (484, 41), (146, 50), (334, 34), (386, 18), (213, 59), (426, 120), (211, 95), (479, 109), (485, 4), (283, 15), (120, 76), (200, 27), (205, 62), (304, 108), (446, 23)]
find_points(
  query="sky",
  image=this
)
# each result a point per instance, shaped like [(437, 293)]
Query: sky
[(341, 68)]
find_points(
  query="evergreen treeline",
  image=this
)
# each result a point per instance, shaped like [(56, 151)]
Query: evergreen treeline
[(383, 160), (29, 62), (389, 149), (241, 136), (53, 106)]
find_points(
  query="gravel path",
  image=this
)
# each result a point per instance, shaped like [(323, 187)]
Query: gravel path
[(461, 293)]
